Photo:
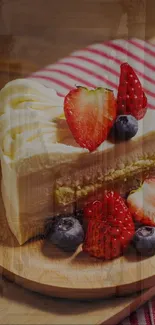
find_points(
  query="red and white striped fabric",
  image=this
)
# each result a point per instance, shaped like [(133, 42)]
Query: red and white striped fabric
[(143, 316), (99, 65)]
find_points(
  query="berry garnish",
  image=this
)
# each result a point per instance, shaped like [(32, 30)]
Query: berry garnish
[(124, 128), (67, 233), (144, 241), (131, 98), (90, 115), (109, 233), (93, 210), (142, 203)]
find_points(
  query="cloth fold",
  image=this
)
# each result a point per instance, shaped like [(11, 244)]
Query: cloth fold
[(99, 65)]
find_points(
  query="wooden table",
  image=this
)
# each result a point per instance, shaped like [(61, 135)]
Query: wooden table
[(34, 33), (20, 306)]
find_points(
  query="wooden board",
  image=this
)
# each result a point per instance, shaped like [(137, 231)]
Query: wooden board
[(28, 35), (42, 267), (20, 306)]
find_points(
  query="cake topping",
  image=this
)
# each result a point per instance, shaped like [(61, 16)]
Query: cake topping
[(93, 210), (67, 233), (144, 241), (142, 202), (90, 115), (27, 112), (131, 98), (108, 235), (124, 128)]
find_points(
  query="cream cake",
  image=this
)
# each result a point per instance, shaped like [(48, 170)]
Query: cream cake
[(45, 171)]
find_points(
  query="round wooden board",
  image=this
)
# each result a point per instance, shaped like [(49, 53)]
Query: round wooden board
[(41, 267)]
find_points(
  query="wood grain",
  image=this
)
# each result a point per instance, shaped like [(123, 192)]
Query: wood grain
[(51, 29), (39, 32), (37, 309), (42, 267), (19, 306)]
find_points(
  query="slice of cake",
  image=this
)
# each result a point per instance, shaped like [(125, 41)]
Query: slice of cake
[(44, 169)]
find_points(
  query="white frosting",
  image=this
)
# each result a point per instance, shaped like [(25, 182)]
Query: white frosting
[(27, 112), (27, 128), (27, 123)]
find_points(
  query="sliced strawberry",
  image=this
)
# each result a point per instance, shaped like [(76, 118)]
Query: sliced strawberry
[(90, 115), (142, 203), (109, 231), (131, 98)]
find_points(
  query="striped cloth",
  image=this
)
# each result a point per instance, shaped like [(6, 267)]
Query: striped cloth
[(143, 316), (99, 65)]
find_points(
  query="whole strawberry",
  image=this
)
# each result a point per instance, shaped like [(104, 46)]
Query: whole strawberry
[(131, 98), (108, 235), (90, 115)]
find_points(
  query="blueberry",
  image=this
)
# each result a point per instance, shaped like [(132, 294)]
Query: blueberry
[(67, 233), (144, 241), (124, 128)]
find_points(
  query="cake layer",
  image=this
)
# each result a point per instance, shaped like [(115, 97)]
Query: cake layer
[(45, 172), (121, 185), (67, 194), (32, 222)]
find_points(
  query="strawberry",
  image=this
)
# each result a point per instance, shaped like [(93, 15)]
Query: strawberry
[(131, 98), (109, 233), (93, 210), (90, 115), (142, 203)]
